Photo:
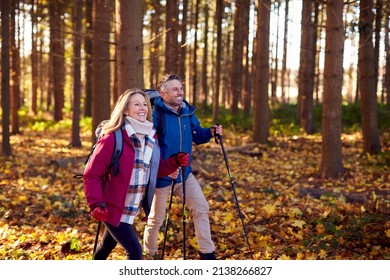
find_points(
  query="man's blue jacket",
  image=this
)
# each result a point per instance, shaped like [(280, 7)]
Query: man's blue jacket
[(176, 132)]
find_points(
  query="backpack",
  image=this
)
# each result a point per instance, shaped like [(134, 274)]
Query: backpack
[(153, 94)]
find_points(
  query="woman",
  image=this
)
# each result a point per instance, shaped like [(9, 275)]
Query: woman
[(116, 200)]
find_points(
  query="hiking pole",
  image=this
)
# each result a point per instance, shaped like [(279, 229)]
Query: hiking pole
[(97, 234), (184, 212), (96, 239), (218, 138), (167, 219)]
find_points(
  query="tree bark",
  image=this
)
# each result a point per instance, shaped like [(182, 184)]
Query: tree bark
[(34, 61), (57, 57), (369, 106), (88, 59), (331, 156), (101, 108), (261, 107), (5, 78), (15, 71), (77, 17), (129, 45), (284, 62), (171, 44), (218, 23), (238, 54), (306, 69)]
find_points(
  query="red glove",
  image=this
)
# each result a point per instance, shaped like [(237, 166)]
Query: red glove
[(100, 213), (181, 159)]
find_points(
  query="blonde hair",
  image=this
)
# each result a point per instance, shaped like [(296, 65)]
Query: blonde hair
[(118, 113)]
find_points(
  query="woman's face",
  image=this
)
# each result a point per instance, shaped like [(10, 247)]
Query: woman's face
[(138, 108)]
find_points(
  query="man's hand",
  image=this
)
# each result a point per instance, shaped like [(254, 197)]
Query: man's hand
[(216, 129)]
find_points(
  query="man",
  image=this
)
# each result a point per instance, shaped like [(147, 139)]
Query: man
[(177, 127)]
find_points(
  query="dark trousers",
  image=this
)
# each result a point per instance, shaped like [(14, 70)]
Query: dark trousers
[(125, 235)]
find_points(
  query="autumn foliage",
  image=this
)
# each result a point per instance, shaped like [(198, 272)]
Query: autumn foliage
[(288, 211)]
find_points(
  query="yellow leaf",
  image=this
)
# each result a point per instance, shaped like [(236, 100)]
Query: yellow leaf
[(323, 254), (326, 213), (298, 223), (22, 198), (388, 232), (269, 209)]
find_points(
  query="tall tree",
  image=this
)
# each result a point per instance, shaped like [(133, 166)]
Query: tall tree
[(88, 59), (154, 46), (77, 17), (183, 42), (57, 53), (171, 45), (378, 27), (34, 59), (306, 68), (5, 78), (195, 56), (218, 23), (387, 48), (331, 156), (367, 79), (284, 61), (275, 69), (101, 11), (129, 48), (204, 89), (15, 69), (238, 55), (261, 107), (247, 76)]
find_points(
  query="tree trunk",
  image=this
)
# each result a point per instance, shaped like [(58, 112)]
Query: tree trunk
[(261, 107), (205, 55), (5, 78), (331, 156), (171, 44), (238, 54), (154, 61), (100, 62), (367, 80), (275, 70), (247, 96), (78, 15), (378, 27), (129, 47), (387, 48), (57, 56), (195, 57), (15, 70), (284, 63), (218, 17), (306, 69), (34, 60), (183, 42), (88, 59)]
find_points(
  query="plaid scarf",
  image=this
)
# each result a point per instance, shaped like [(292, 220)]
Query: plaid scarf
[(143, 146)]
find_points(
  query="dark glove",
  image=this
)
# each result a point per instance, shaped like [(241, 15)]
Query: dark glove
[(100, 213), (181, 159)]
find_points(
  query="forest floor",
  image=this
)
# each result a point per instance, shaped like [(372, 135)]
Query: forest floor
[(288, 211)]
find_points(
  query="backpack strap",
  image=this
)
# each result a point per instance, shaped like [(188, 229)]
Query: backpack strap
[(117, 151), (160, 121)]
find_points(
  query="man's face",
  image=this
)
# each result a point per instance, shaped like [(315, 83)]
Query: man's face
[(173, 94)]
